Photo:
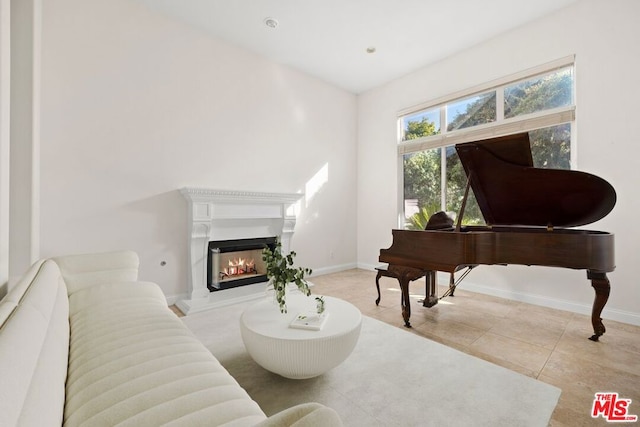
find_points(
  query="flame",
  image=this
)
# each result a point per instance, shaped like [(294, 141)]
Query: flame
[(239, 266)]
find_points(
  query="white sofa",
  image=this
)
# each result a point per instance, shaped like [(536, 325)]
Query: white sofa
[(83, 342)]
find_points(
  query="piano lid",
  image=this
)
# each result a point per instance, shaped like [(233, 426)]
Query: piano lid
[(510, 191)]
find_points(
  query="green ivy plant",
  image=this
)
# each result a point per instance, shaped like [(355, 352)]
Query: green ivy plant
[(280, 271)]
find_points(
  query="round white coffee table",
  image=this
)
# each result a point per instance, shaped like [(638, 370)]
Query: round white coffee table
[(299, 353)]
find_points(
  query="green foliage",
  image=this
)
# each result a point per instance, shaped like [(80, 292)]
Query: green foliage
[(550, 147), (422, 177), (482, 110), (280, 271), (456, 186), (547, 92), (419, 220), (419, 129)]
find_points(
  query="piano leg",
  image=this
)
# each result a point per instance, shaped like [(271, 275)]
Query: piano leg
[(381, 273), (601, 285), (430, 297), (405, 275), (452, 284)]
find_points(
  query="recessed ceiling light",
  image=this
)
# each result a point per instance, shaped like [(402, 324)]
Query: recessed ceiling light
[(271, 22), (371, 49)]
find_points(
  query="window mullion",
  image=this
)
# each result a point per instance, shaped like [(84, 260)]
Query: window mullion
[(443, 178), (499, 104)]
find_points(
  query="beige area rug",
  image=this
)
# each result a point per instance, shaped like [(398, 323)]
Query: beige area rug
[(392, 378)]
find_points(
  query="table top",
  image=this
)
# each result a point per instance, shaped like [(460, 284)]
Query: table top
[(264, 318)]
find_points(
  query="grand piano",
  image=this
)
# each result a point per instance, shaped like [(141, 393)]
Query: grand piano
[(530, 215)]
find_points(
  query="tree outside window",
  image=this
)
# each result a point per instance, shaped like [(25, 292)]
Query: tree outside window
[(425, 188)]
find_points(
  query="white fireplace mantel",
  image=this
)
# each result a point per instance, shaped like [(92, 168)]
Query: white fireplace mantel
[(225, 215)]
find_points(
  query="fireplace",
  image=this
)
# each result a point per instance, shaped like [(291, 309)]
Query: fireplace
[(223, 216), (237, 262)]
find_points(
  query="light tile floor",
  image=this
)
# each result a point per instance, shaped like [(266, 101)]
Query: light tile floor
[(547, 344)]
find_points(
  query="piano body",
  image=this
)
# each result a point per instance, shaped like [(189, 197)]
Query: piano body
[(530, 214)]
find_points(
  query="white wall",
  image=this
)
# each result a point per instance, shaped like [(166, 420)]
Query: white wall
[(603, 35), (136, 106), (24, 235)]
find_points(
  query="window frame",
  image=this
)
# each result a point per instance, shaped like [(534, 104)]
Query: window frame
[(499, 127)]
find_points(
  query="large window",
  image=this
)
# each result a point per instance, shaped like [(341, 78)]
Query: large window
[(539, 101)]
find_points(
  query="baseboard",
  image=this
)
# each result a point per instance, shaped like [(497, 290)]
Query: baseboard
[(367, 266), (631, 318), (173, 299), (608, 313), (333, 269)]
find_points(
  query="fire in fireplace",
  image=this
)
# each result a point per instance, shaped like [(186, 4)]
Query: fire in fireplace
[(233, 263)]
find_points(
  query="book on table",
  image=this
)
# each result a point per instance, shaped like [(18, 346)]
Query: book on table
[(309, 320)]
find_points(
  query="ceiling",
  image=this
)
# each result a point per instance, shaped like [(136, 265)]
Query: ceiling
[(329, 38)]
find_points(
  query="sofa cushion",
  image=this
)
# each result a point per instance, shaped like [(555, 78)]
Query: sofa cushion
[(115, 294), (80, 271), (34, 342), (133, 362)]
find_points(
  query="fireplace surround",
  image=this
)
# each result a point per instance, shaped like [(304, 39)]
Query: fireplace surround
[(221, 215)]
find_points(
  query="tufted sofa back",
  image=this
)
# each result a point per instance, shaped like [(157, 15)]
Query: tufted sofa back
[(34, 348)]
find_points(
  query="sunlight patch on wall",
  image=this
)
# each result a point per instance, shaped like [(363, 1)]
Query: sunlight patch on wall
[(316, 182), (294, 209)]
